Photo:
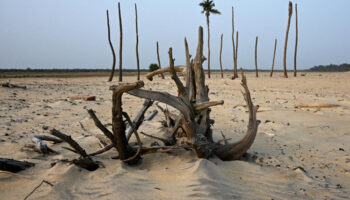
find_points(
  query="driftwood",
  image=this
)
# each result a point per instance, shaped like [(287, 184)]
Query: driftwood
[(10, 85), (14, 165), (84, 161), (150, 75), (137, 121), (317, 106), (85, 98), (196, 122), (151, 116), (125, 152), (191, 127)]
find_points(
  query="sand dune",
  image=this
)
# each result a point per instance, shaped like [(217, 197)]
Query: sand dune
[(299, 153)]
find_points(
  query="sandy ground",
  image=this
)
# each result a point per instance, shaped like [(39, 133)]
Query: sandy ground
[(298, 153)]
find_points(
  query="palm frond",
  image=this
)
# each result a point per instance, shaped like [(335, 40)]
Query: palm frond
[(215, 11)]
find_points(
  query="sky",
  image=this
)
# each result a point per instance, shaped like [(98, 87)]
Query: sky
[(73, 33)]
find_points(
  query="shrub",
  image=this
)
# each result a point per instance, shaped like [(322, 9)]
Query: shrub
[(153, 67)]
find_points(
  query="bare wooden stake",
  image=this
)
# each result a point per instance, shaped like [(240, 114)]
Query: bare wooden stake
[(273, 60), (256, 57), (296, 40), (222, 74), (111, 46), (137, 45), (160, 67), (120, 44), (290, 12)]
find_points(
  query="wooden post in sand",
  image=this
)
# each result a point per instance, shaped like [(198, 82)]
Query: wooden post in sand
[(222, 74), (273, 60), (256, 57), (290, 11), (137, 46), (296, 40), (235, 74), (236, 56), (120, 45), (112, 49), (160, 67)]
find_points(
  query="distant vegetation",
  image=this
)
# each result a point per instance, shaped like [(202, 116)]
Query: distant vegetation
[(153, 67), (331, 68)]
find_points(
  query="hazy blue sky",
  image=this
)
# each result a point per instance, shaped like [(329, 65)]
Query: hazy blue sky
[(73, 33)]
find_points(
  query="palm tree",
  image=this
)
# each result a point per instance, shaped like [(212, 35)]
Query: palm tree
[(208, 7)]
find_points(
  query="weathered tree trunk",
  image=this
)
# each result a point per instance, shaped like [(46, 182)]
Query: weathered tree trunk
[(273, 59), (235, 74), (208, 45), (112, 49), (290, 11), (222, 74), (236, 60), (296, 40), (120, 45), (137, 45), (125, 152), (160, 67), (256, 57)]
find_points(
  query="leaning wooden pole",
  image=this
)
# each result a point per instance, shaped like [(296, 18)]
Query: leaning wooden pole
[(290, 11), (256, 57), (296, 40), (112, 49), (273, 59), (222, 74), (137, 45), (120, 45), (235, 74), (160, 67)]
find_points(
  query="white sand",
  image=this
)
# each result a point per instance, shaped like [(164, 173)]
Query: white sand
[(298, 153)]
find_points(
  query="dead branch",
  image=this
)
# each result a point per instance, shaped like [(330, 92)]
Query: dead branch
[(85, 98), (150, 75), (138, 120), (151, 116), (105, 149), (139, 143), (84, 161), (14, 165), (48, 138), (9, 85), (236, 150), (201, 106), (43, 181), (99, 125), (180, 86), (317, 106), (70, 141)]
